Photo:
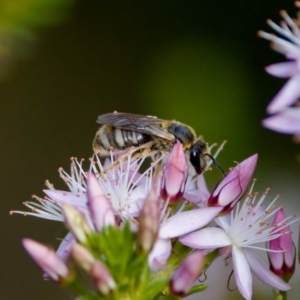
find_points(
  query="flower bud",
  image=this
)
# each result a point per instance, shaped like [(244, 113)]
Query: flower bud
[(82, 256), (149, 222), (282, 262), (75, 221), (233, 187), (187, 273), (175, 174), (102, 278), (99, 206), (48, 260)]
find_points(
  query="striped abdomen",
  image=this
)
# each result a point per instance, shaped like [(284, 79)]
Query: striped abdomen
[(108, 138)]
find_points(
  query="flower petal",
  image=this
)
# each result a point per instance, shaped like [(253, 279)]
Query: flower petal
[(286, 96), (61, 197), (99, 206), (159, 254), (174, 174), (187, 273), (187, 221), (234, 185), (242, 272), (47, 259), (287, 121), (263, 273), (283, 70), (65, 246), (206, 238)]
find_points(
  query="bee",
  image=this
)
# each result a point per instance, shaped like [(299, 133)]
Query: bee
[(121, 131)]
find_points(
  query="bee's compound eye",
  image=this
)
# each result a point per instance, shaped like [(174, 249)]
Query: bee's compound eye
[(195, 160)]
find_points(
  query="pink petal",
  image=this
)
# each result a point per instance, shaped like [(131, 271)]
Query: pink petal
[(138, 196), (187, 273), (287, 121), (99, 205), (206, 238), (82, 256), (263, 273), (283, 70), (174, 175), (102, 278), (187, 221), (159, 254), (65, 246), (149, 222), (196, 193), (61, 197), (47, 259), (282, 243), (234, 185), (242, 272), (288, 95)]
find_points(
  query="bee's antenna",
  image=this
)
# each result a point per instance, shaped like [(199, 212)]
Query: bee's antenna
[(215, 163)]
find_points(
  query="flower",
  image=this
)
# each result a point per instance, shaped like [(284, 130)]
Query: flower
[(287, 121), (233, 187), (113, 195), (149, 222), (48, 260), (125, 187), (179, 224), (282, 254), (174, 174), (98, 271), (186, 274), (290, 47), (237, 235)]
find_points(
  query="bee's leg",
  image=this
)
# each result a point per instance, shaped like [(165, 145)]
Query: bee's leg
[(135, 153)]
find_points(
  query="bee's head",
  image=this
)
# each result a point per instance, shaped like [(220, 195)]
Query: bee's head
[(199, 155)]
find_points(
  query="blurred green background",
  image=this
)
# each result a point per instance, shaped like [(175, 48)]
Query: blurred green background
[(63, 63)]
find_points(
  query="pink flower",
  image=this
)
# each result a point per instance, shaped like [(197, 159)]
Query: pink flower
[(178, 225), (125, 188), (99, 206), (234, 186), (287, 121), (290, 93), (187, 273), (48, 260), (289, 45), (174, 174), (282, 255), (149, 222), (101, 276), (237, 234)]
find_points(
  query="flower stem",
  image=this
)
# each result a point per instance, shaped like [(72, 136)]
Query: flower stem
[(282, 295)]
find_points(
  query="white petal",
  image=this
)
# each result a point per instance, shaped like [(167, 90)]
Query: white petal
[(286, 96), (263, 273), (62, 197), (211, 237), (187, 221), (242, 272), (283, 70), (224, 222), (287, 121), (159, 254)]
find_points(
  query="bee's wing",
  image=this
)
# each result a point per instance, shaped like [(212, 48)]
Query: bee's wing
[(143, 124)]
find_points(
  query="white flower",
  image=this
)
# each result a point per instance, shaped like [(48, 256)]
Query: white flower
[(237, 235), (124, 185)]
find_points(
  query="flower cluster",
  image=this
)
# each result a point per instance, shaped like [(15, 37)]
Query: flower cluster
[(284, 107), (150, 234)]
